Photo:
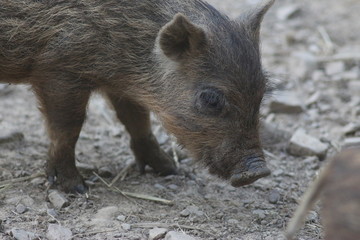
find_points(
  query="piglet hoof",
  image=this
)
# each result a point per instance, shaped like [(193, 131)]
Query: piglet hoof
[(73, 184), (256, 170)]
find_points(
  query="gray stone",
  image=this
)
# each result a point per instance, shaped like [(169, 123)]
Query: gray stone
[(333, 68), (351, 142), (20, 234), (302, 144), (126, 226), (277, 172), (121, 218), (159, 186), (287, 12), (354, 87), (286, 102), (85, 167), (173, 187), (37, 181), (274, 196), (258, 213), (185, 213), (194, 210), (11, 137), (105, 172), (350, 128), (172, 235), (58, 232), (20, 208), (57, 199), (233, 221), (157, 233)]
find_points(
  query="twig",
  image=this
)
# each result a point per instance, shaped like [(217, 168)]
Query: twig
[(169, 225), (21, 179), (354, 56), (135, 195), (122, 174), (269, 154), (94, 232), (327, 40)]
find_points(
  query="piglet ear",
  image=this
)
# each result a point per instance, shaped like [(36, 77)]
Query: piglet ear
[(253, 19), (181, 38)]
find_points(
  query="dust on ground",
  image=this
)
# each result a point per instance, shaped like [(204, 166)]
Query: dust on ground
[(312, 50)]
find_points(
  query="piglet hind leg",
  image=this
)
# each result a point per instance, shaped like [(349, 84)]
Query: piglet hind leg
[(64, 107), (143, 143)]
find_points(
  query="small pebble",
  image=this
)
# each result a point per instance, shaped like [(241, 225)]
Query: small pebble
[(58, 232), (57, 199), (20, 208), (172, 235), (159, 186), (157, 233), (260, 214), (20, 234), (121, 218), (126, 226), (173, 187), (105, 172), (233, 221), (185, 213), (274, 196)]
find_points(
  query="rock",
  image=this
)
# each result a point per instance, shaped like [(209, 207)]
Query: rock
[(351, 142), (278, 172), (233, 221), (11, 137), (121, 218), (302, 144), (105, 172), (57, 199), (194, 210), (286, 102), (259, 214), (157, 233), (85, 167), (58, 232), (333, 68), (287, 12), (105, 216), (274, 196), (173, 187), (185, 213), (354, 87), (159, 186), (38, 181), (172, 235), (271, 134), (20, 208), (52, 212), (107, 212), (20, 234), (126, 226), (350, 128)]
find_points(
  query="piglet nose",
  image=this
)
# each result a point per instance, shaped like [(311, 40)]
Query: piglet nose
[(255, 168)]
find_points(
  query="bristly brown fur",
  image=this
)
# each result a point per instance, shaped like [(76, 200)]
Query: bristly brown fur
[(67, 49)]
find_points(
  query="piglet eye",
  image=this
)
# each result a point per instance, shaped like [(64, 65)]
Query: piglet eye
[(210, 101)]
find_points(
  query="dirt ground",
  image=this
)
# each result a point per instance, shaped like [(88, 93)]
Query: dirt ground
[(314, 51)]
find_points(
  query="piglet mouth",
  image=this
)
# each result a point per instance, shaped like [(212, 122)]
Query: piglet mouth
[(255, 168)]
